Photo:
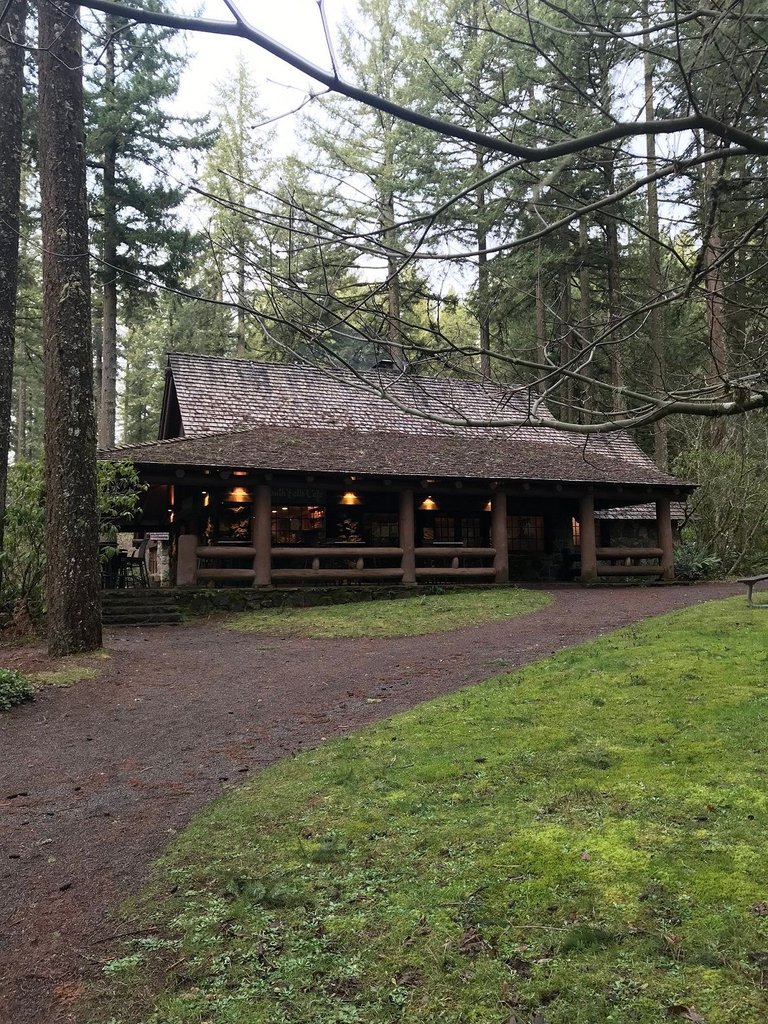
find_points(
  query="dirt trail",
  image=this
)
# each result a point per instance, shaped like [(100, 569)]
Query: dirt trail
[(94, 780)]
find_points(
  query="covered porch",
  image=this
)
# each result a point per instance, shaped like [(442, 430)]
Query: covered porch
[(246, 528)]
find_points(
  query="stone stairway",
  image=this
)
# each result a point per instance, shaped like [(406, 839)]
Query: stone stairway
[(138, 606)]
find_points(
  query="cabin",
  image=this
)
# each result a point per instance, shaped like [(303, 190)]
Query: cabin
[(274, 473)]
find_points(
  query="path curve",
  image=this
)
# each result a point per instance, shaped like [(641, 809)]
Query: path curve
[(96, 779)]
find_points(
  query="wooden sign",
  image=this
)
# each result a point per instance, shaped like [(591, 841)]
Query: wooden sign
[(162, 535), (299, 495)]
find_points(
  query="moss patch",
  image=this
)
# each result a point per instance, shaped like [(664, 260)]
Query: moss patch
[(70, 670), (580, 842), (429, 613)]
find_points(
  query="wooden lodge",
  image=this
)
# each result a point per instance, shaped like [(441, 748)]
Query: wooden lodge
[(266, 474)]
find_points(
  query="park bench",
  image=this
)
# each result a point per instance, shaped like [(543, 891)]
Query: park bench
[(749, 582)]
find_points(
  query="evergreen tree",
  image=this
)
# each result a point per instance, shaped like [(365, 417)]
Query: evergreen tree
[(235, 175), (134, 141), (12, 35), (365, 157), (73, 577)]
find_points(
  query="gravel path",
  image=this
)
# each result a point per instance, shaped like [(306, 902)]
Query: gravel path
[(95, 779)]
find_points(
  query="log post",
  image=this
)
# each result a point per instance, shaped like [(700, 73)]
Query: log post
[(407, 529), (587, 535), (499, 536), (262, 535), (186, 560), (665, 538)]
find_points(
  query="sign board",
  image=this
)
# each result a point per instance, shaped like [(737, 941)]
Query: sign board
[(299, 495), (162, 535)]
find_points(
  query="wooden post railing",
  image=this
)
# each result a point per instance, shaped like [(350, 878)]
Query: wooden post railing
[(499, 536), (262, 536), (587, 538), (407, 528), (665, 537)]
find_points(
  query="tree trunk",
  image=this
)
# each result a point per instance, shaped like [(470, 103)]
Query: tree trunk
[(567, 411), (615, 341), (240, 350), (483, 291), (714, 283), (108, 397), (73, 581), (394, 325), (541, 323), (658, 354), (21, 419), (585, 314), (11, 89)]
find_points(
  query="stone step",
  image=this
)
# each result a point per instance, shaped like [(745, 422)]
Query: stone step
[(138, 596), (139, 607), (136, 619)]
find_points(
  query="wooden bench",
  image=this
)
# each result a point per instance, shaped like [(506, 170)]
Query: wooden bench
[(749, 582)]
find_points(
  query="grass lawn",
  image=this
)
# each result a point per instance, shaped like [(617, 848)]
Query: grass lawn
[(429, 613), (581, 842)]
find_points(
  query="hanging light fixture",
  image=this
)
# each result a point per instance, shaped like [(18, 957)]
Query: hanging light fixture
[(429, 504), (238, 494), (487, 507), (349, 498)]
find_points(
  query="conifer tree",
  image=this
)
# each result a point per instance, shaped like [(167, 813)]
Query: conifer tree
[(73, 579), (134, 140), (235, 176), (12, 36)]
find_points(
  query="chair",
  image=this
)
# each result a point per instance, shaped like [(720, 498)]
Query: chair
[(134, 566)]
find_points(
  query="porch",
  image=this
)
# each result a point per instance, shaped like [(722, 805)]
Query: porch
[(265, 533)]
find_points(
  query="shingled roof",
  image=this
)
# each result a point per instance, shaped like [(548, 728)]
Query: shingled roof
[(283, 417)]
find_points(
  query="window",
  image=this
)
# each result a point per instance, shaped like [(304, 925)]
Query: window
[(234, 522), (443, 530), (381, 529), (302, 525), (575, 533), (526, 533), (471, 531), (466, 530)]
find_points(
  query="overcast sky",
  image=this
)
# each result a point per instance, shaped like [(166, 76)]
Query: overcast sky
[(295, 23)]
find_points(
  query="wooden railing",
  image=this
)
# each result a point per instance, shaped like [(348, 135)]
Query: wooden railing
[(225, 553), (344, 562), (350, 558), (456, 556), (628, 559)]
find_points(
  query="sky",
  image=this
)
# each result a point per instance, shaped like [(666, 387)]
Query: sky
[(294, 23)]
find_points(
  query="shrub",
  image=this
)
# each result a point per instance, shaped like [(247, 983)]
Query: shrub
[(728, 513), (693, 562), (24, 547), (14, 689)]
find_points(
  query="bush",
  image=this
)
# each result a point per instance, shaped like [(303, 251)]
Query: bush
[(24, 548), (693, 562), (14, 689), (728, 513)]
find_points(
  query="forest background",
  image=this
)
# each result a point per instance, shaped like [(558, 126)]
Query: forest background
[(616, 282)]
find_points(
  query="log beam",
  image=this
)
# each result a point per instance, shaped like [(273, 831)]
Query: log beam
[(587, 535), (407, 528), (665, 537), (499, 536), (262, 535)]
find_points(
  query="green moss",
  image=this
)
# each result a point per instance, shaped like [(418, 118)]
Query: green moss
[(70, 670), (67, 676), (432, 613), (560, 840)]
